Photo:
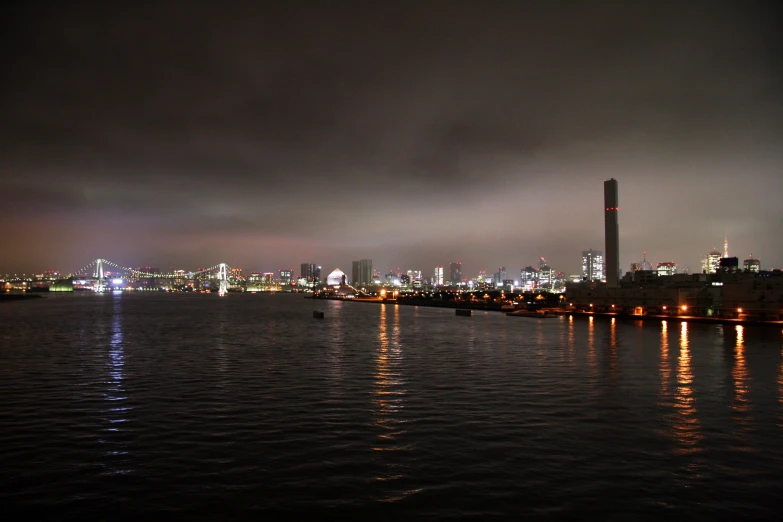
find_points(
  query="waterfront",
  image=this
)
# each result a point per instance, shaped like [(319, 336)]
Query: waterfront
[(200, 406)]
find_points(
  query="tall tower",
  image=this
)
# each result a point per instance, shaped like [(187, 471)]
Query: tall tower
[(611, 233), (362, 272), (725, 246)]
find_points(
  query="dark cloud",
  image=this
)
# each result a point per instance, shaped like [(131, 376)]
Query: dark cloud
[(412, 133)]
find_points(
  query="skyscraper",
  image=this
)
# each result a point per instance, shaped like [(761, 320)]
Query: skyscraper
[(362, 272), (528, 277), (751, 264), (438, 279), (710, 262), (455, 273), (500, 275), (285, 276), (666, 268), (310, 272), (592, 265), (611, 232)]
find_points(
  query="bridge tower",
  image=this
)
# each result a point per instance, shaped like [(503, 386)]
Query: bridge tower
[(98, 269), (222, 276), (98, 274)]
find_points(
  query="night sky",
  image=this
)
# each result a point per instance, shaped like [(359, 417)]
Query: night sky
[(410, 133)]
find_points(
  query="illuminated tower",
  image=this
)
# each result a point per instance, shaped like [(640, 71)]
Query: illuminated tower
[(438, 279), (725, 246), (611, 233)]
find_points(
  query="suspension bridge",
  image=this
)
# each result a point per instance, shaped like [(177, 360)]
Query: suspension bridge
[(103, 270)]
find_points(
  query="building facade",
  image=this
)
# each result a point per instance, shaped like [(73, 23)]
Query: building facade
[(455, 273), (592, 265), (361, 273), (666, 268), (438, 276)]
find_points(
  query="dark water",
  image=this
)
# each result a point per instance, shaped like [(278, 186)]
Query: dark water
[(200, 407)]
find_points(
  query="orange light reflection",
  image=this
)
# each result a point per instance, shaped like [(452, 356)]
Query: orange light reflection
[(740, 405), (389, 396), (686, 425)]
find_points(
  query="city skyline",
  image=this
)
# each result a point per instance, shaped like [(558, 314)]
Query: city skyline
[(313, 269), (412, 135)]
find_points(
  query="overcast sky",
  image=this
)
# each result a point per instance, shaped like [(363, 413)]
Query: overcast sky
[(412, 133)]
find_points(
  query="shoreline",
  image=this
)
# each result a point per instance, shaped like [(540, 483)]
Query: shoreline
[(674, 318), (534, 315)]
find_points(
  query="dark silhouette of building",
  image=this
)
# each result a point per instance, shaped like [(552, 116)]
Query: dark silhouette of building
[(361, 272), (310, 272), (611, 233), (729, 263), (455, 273)]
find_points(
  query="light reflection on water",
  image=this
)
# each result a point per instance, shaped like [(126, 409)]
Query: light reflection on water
[(400, 412), (389, 396), (740, 405), (571, 343), (613, 349), (686, 425), (664, 367), (115, 394), (591, 341)]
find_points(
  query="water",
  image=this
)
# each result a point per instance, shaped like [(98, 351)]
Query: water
[(201, 407)]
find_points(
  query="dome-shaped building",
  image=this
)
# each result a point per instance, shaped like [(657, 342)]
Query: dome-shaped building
[(336, 278)]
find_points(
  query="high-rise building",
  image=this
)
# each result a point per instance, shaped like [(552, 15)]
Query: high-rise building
[(666, 268), (455, 273), (611, 232), (528, 277), (728, 264), (725, 246), (711, 262), (438, 277), (310, 272), (592, 265), (362, 272), (751, 264), (286, 276), (546, 277), (500, 276)]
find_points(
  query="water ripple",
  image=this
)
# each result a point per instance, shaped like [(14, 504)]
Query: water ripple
[(193, 407)]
